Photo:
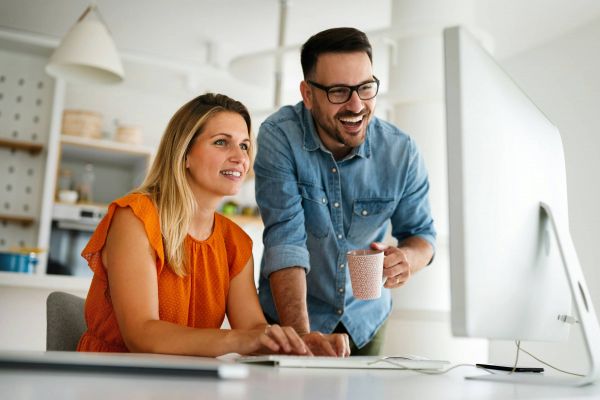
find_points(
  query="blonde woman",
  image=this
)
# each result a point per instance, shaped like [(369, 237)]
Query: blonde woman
[(167, 267)]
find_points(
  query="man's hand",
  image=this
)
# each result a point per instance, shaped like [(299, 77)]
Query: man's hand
[(411, 255), (396, 267), (334, 345)]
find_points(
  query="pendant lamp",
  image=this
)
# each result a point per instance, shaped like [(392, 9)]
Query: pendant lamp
[(87, 53)]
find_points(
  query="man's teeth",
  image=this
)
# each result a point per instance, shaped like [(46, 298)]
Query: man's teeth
[(232, 173), (352, 120)]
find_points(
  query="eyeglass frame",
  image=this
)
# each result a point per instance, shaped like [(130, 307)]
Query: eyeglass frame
[(353, 89)]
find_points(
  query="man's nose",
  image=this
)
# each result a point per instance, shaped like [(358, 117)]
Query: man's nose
[(355, 104)]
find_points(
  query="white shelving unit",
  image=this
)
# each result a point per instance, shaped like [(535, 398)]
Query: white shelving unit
[(118, 166), (29, 101), (121, 165)]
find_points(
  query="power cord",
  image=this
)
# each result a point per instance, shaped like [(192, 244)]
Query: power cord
[(424, 370), (441, 372), (519, 349)]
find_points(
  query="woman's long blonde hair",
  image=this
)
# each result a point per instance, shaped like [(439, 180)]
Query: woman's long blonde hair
[(166, 182)]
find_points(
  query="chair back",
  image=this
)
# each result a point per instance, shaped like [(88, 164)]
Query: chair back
[(65, 322)]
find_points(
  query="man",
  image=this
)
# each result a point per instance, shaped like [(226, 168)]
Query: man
[(329, 178)]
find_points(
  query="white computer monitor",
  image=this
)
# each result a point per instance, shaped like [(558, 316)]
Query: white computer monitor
[(514, 271)]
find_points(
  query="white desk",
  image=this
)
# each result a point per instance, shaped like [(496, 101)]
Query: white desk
[(272, 383)]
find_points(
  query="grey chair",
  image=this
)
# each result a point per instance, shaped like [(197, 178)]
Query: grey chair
[(65, 322)]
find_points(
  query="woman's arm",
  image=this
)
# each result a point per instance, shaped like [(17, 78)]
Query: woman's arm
[(244, 313), (131, 268)]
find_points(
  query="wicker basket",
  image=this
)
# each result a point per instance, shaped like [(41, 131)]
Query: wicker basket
[(129, 134), (82, 123)]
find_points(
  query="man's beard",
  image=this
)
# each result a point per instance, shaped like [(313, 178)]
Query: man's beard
[(331, 130)]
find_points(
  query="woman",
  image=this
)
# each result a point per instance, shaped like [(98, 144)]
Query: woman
[(167, 268)]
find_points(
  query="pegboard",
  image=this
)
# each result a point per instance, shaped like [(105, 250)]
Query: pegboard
[(25, 111)]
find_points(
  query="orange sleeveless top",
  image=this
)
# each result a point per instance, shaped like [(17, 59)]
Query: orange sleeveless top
[(196, 300)]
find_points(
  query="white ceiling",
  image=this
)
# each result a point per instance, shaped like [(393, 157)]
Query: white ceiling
[(178, 29), (174, 33)]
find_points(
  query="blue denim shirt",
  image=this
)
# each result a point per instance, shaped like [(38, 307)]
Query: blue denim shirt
[(315, 209)]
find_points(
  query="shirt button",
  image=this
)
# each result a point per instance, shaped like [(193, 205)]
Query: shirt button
[(339, 311), (339, 236), (342, 266), (324, 200), (341, 290), (336, 204), (334, 170), (364, 212)]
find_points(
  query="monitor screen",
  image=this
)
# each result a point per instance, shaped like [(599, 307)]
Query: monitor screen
[(504, 158)]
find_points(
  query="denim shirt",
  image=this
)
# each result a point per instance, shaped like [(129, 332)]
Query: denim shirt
[(315, 209)]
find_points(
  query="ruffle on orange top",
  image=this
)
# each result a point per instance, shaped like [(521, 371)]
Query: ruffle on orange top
[(196, 300)]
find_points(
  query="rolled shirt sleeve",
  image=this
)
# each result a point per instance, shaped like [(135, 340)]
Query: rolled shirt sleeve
[(280, 202), (412, 216)]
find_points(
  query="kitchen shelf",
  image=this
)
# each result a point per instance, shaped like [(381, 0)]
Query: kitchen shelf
[(50, 282), (17, 218), (32, 147), (100, 150)]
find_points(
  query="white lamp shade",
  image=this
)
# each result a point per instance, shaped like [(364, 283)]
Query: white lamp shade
[(87, 53)]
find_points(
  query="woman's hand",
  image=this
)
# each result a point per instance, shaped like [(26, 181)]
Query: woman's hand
[(272, 339)]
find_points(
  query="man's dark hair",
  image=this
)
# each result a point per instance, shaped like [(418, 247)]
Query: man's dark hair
[(334, 40)]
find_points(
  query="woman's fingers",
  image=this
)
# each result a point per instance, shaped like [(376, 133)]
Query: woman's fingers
[(282, 339), (267, 341), (278, 335), (296, 342)]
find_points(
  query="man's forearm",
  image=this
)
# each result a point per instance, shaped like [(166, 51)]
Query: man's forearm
[(419, 252), (288, 287)]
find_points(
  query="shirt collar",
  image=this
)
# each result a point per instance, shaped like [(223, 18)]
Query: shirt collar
[(312, 141)]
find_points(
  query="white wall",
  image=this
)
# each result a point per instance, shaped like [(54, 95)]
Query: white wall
[(563, 78)]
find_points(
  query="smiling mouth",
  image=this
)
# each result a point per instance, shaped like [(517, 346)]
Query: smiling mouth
[(236, 174), (353, 121)]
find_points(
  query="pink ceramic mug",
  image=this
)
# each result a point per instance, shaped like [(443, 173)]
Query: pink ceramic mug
[(366, 273)]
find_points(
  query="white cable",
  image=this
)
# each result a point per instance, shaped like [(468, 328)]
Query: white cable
[(519, 348), (422, 370)]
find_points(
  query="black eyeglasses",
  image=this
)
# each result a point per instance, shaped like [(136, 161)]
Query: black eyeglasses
[(340, 93)]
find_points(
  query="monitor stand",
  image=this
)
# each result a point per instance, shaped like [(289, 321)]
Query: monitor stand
[(583, 305)]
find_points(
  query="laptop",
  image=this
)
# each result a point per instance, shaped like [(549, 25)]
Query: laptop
[(134, 363), (355, 362)]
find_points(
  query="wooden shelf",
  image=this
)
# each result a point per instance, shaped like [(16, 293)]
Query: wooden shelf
[(97, 150), (106, 145), (17, 218), (31, 147)]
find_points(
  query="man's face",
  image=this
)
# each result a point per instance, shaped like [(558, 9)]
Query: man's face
[(341, 127)]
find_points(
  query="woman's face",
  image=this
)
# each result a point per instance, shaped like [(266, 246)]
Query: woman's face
[(218, 160)]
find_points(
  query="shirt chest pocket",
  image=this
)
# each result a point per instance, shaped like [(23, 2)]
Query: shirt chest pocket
[(316, 213), (368, 215)]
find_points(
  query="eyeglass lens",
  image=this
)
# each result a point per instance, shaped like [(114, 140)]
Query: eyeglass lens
[(341, 94)]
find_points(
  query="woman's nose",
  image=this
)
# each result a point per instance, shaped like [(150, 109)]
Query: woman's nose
[(238, 155)]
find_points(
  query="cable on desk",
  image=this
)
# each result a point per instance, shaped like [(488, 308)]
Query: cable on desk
[(425, 371), (519, 349)]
